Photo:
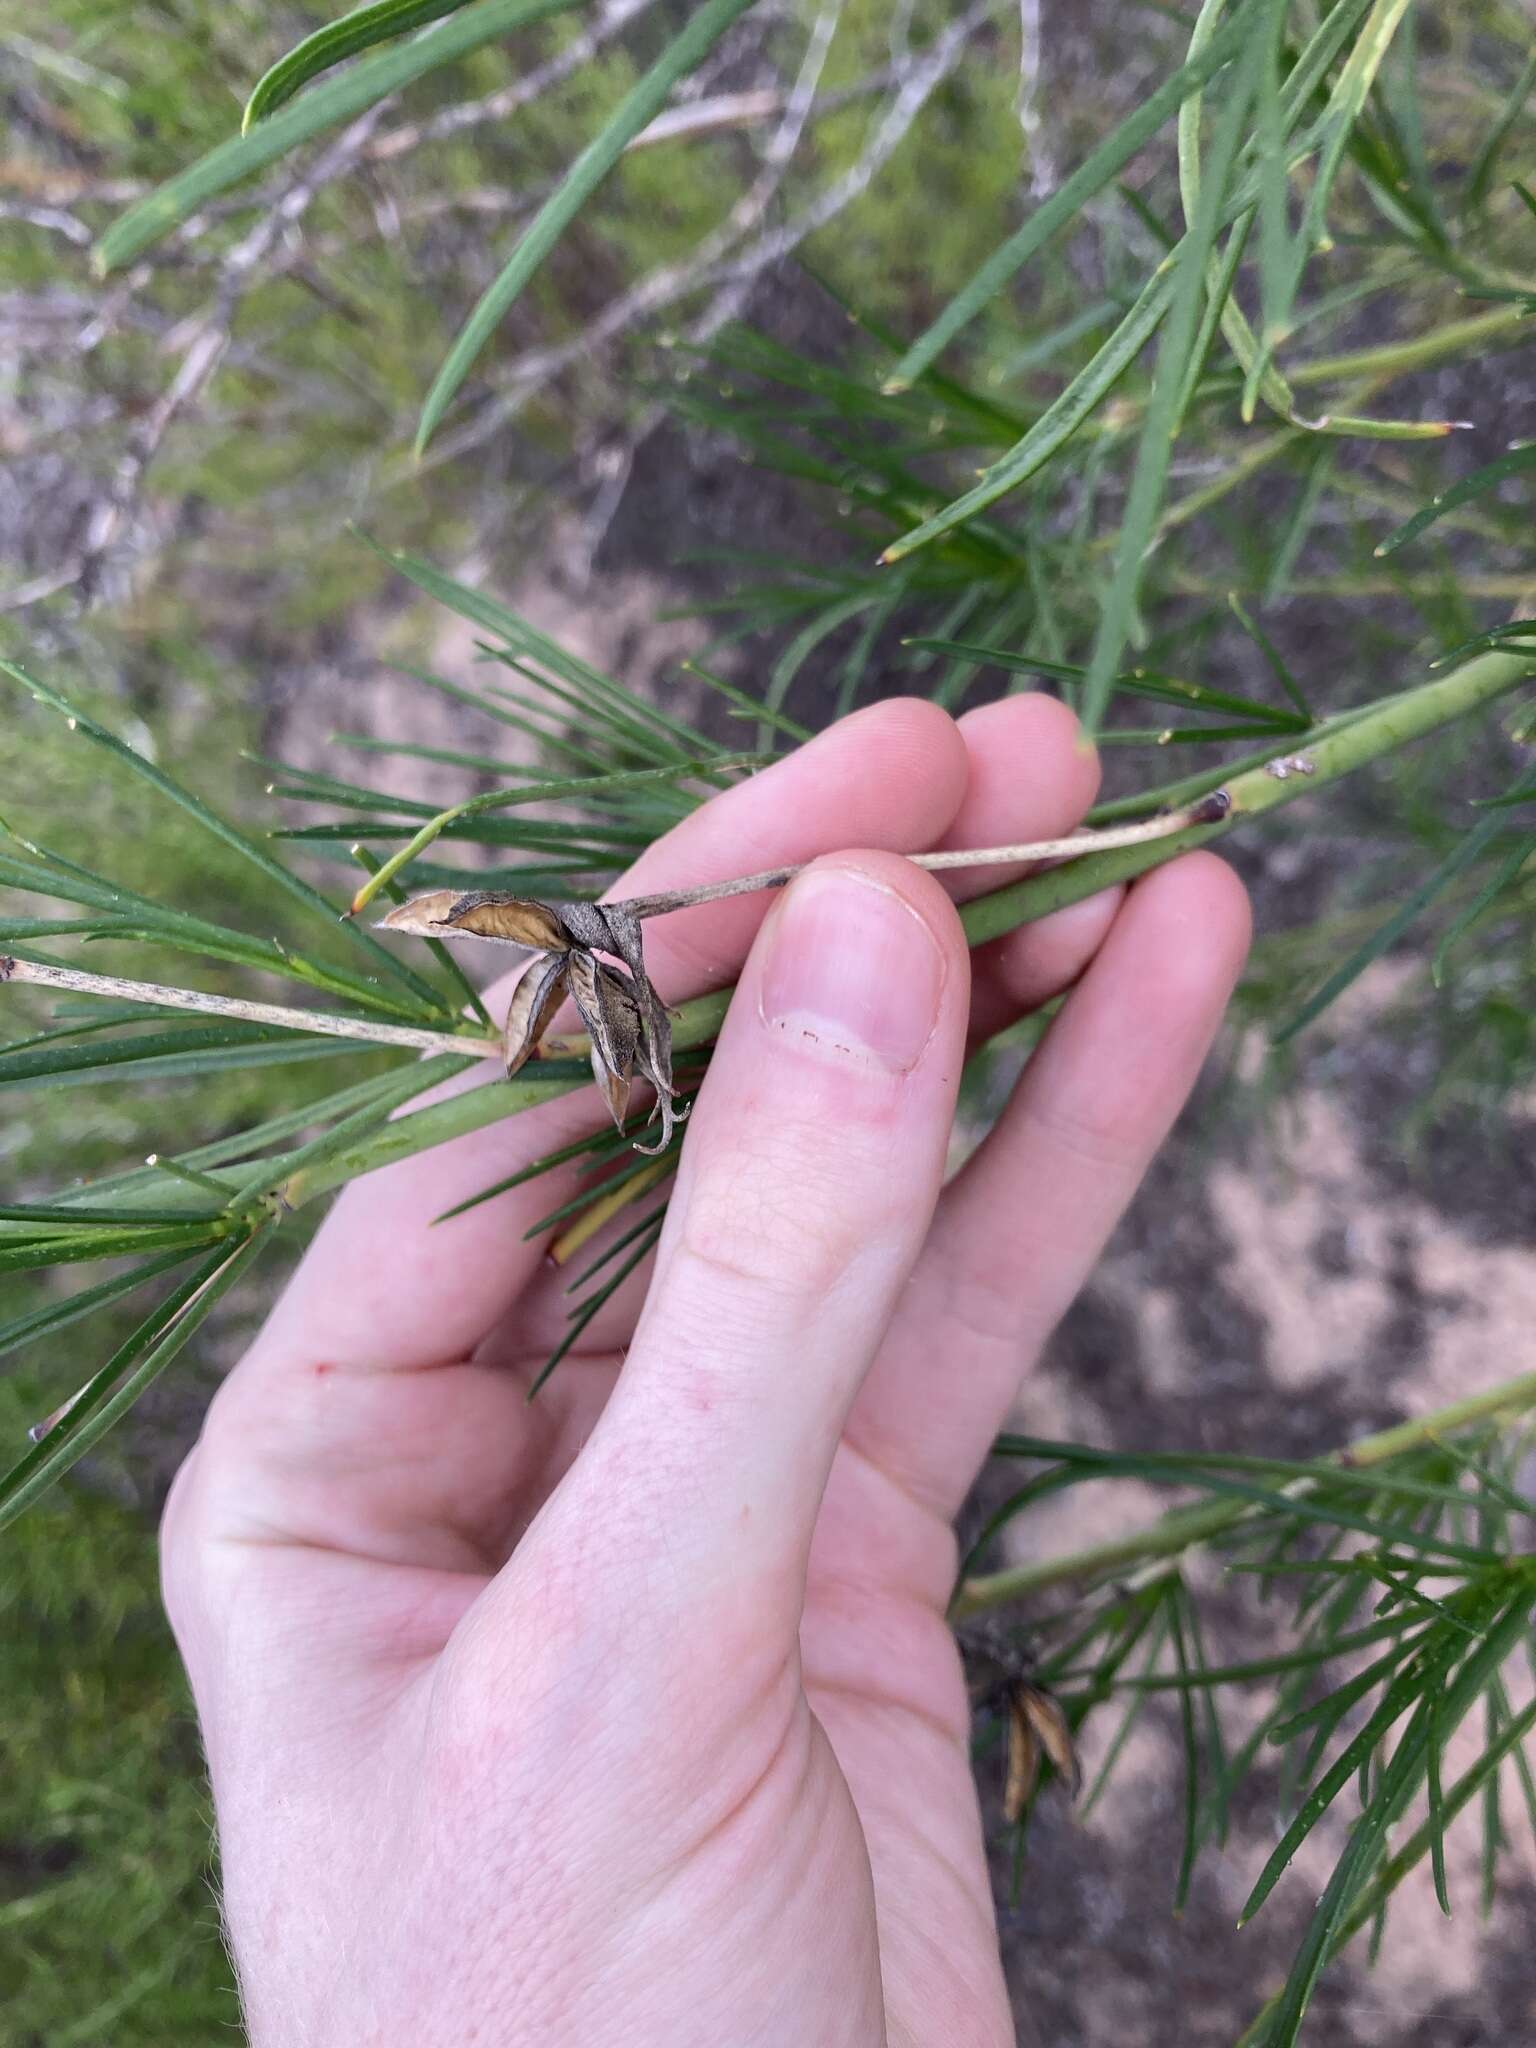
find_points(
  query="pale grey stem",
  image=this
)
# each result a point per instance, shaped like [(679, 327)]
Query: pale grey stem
[(360, 1028), (1208, 811)]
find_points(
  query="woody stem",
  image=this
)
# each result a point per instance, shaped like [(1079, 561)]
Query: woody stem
[(43, 975), (1209, 810)]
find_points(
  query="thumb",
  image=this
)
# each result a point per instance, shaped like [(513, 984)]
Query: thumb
[(813, 1162)]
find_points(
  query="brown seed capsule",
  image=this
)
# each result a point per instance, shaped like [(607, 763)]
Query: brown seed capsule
[(625, 1018), (535, 1000), (482, 914), (1036, 1726)]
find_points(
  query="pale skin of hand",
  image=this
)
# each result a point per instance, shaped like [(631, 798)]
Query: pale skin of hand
[(631, 1715)]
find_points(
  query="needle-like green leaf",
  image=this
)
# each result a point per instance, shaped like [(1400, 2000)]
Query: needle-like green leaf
[(338, 100), (637, 110), (167, 1055), (582, 1315), (429, 999), (1136, 682), (1097, 170), (58, 1315), (1469, 849), (1481, 175), (125, 1376), (1117, 617), (1488, 478), (363, 29), (1504, 1623)]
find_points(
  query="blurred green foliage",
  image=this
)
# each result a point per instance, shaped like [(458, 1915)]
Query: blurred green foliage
[(108, 1923)]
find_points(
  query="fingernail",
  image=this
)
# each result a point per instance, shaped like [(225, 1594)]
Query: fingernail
[(852, 971)]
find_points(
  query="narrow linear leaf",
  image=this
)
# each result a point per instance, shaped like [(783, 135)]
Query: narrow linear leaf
[(649, 1221), (506, 799), (1177, 1599), (1472, 846), (1282, 1661), (214, 1046), (599, 1146), (526, 640), (1488, 478), (1344, 109), (1327, 1713), (1396, 1867), (1060, 420), (47, 1217), (1279, 667), (126, 1375), (392, 1093), (83, 1247), (639, 107), (1157, 1636), (1267, 28), (1149, 477), (1504, 876), (1484, 165), (1136, 682), (1427, 1673), (58, 1315), (153, 217), (747, 705), (362, 29), (1391, 1794), (1300, 520), (1066, 203), (247, 849), (582, 1316)]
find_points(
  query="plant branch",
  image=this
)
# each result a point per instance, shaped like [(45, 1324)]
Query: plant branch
[(1207, 811), (42, 975), (1088, 864), (1370, 733), (1173, 1534)]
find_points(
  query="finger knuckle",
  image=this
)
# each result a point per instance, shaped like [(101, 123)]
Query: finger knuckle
[(1090, 1137)]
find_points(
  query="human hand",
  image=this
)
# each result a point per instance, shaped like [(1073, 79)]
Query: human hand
[(631, 1714)]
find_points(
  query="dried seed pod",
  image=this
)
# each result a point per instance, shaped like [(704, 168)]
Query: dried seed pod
[(626, 1019), (482, 914), (535, 1000), (1023, 1760), (1036, 1726), (613, 1022)]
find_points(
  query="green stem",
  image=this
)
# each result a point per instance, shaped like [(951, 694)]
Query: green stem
[(1336, 750), (1419, 352), (1329, 755), (1177, 1532)]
